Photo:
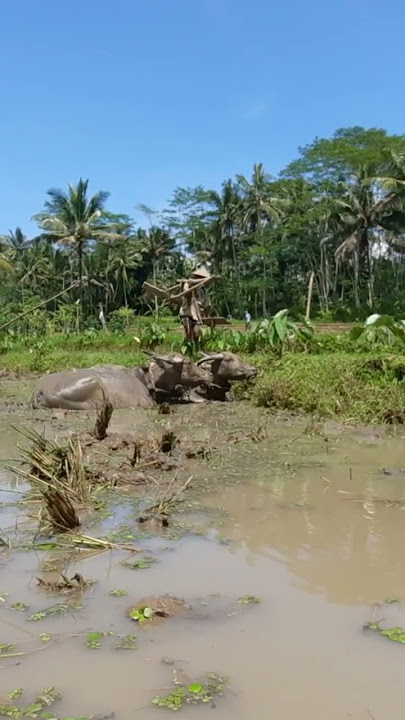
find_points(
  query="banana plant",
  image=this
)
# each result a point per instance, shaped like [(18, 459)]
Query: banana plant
[(279, 331), (380, 328)]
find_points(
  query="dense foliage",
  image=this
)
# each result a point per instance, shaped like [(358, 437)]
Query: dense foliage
[(337, 211)]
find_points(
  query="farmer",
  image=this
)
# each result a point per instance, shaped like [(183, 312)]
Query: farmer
[(194, 303)]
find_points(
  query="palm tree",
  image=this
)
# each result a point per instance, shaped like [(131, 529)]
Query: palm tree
[(17, 241), (259, 206), (5, 262), (124, 255), (260, 209), (36, 265), (73, 219), (156, 245), (362, 210), (7, 253), (225, 215)]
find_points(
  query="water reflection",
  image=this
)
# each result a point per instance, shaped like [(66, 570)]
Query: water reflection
[(338, 531)]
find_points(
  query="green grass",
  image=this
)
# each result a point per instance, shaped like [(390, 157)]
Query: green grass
[(351, 386)]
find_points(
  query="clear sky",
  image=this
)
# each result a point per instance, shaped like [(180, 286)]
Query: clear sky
[(142, 96)]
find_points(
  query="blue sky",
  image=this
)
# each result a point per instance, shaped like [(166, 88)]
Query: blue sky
[(140, 97)]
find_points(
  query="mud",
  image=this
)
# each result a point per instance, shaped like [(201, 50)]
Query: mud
[(307, 519)]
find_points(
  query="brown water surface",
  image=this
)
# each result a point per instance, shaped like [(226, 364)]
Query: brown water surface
[(308, 523)]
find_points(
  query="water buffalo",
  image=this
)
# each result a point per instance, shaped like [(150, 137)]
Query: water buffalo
[(225, 368), (172, 375), (167, 376)]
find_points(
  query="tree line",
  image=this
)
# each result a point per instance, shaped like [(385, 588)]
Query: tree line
[(338, 211)]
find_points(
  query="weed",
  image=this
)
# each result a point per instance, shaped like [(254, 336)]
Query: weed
[(395, 634), (5, 648), (352, 386), (248, 599), (58, 609), (140, 564), (58, 473), (141, 614), (45, 637), (93, 640), (20, 606), (44, 700), (194, 693), (127, 642)]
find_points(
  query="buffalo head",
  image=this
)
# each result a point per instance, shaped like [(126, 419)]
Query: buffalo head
[(174, 372), (226, 367)]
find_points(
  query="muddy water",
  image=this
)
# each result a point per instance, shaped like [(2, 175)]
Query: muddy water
[(308, 523)]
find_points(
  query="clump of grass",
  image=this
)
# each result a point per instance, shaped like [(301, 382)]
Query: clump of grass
[(358, 387), (57, 472), (168, 442), (103, 418), (167, 499)]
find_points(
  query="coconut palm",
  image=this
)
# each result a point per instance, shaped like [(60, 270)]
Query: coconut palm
[(73, 219), (362, 210), (7, 249), (260, 209), (124, 256)]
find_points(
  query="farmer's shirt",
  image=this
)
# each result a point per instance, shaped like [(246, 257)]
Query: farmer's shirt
[(193, 303)]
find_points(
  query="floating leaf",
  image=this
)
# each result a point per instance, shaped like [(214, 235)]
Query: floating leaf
[(194, 694), (195, 688), (15, 694), (139, 564), (20, 606), (32, 710), (94, 640), (117, 593), (128, 642), (6, 648), (48, 696), (247, 599), (45, 637), (141, 614), (395, 634)]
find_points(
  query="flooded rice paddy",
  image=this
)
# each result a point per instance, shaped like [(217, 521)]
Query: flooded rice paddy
[(308, 520)]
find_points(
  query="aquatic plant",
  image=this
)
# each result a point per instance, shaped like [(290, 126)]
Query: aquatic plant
[(194, 693), (94, 639), (58, 609), (248, 599), (395, 634), (141, 564)]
